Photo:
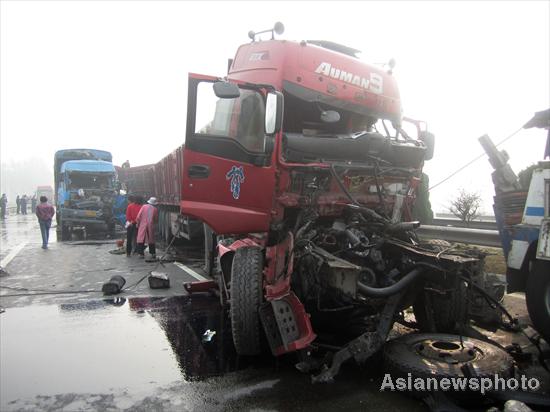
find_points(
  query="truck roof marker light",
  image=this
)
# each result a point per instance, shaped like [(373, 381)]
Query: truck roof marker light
[(278, 28), (391, 65)]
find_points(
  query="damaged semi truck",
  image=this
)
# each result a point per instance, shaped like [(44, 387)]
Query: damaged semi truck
[(299, 164), (86, 191)]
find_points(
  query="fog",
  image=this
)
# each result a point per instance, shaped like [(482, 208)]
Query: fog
[(19, 177), (113, 75)]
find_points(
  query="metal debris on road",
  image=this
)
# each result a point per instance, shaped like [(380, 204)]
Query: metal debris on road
[(208, 335)]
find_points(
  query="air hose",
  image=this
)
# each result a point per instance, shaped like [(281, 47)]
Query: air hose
[(390, 290)]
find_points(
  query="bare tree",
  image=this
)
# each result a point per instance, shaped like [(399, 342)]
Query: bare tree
[(466, 206)]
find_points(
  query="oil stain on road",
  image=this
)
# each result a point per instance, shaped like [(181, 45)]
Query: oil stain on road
[(171, 353)]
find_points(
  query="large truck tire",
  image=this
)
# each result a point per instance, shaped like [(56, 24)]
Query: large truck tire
[(65, 232), (537, 296), (168, 236), (246, 290), (434, 355)]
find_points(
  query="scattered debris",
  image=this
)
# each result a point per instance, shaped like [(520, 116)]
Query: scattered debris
[(208, 335), (516, 406), (159, 280), (114, 285)]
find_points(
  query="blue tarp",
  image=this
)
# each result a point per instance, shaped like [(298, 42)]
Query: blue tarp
[(94, 166)]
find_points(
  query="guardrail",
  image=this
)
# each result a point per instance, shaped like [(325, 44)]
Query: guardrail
[(475, 224), (479, 237)]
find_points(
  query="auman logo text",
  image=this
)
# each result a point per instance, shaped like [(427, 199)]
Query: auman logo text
[(374, 83)]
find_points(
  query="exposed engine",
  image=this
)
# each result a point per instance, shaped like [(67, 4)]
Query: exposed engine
[(99, 201), (92, 199), (347, 267)]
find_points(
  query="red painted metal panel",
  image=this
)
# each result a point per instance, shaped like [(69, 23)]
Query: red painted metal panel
[(318, 69)]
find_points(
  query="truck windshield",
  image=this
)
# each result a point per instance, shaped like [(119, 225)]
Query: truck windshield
[(305, 117), (241, 118), (90, 181)]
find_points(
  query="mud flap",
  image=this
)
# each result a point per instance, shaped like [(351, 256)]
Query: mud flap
[(286, 324)]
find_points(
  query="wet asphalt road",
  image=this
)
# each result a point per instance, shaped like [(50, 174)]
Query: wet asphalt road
[(64, 346)]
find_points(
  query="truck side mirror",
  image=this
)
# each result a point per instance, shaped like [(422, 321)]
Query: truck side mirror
[(429, 140), (226, 90), (273, 112)]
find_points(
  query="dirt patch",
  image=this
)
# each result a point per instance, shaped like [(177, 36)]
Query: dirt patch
[(494, 261)]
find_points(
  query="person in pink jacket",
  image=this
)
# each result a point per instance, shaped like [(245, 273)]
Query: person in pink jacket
[(146, 220)]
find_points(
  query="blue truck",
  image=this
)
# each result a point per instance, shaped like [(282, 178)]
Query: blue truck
[(86, 192)]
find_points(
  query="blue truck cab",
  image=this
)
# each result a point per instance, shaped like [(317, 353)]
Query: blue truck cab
[(86, 188)]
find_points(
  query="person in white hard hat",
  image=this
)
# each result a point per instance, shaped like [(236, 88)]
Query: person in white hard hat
[(146, 220)]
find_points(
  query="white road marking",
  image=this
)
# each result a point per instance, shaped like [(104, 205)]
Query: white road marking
[(12, 254), (190, 271)]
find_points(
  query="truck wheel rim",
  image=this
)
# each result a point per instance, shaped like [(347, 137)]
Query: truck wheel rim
[(447, 351)]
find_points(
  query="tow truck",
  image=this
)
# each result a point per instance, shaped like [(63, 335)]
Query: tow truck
[(523, 220)]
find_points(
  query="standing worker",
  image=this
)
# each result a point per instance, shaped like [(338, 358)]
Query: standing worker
[(23, 203), (3, 205), (146, 219), (45, 213), (132, 212), (18, 203), (33, 204)]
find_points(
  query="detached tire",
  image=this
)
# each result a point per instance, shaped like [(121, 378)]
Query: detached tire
[(432, 355), (537, 296), (246, 296)]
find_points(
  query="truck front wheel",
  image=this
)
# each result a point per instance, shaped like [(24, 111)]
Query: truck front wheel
[(246, 290), (537, 295)]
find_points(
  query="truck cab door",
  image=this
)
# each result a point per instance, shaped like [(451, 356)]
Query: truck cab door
[(229, 166)]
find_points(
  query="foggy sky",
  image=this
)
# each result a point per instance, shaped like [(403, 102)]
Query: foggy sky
[(113, 75)]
